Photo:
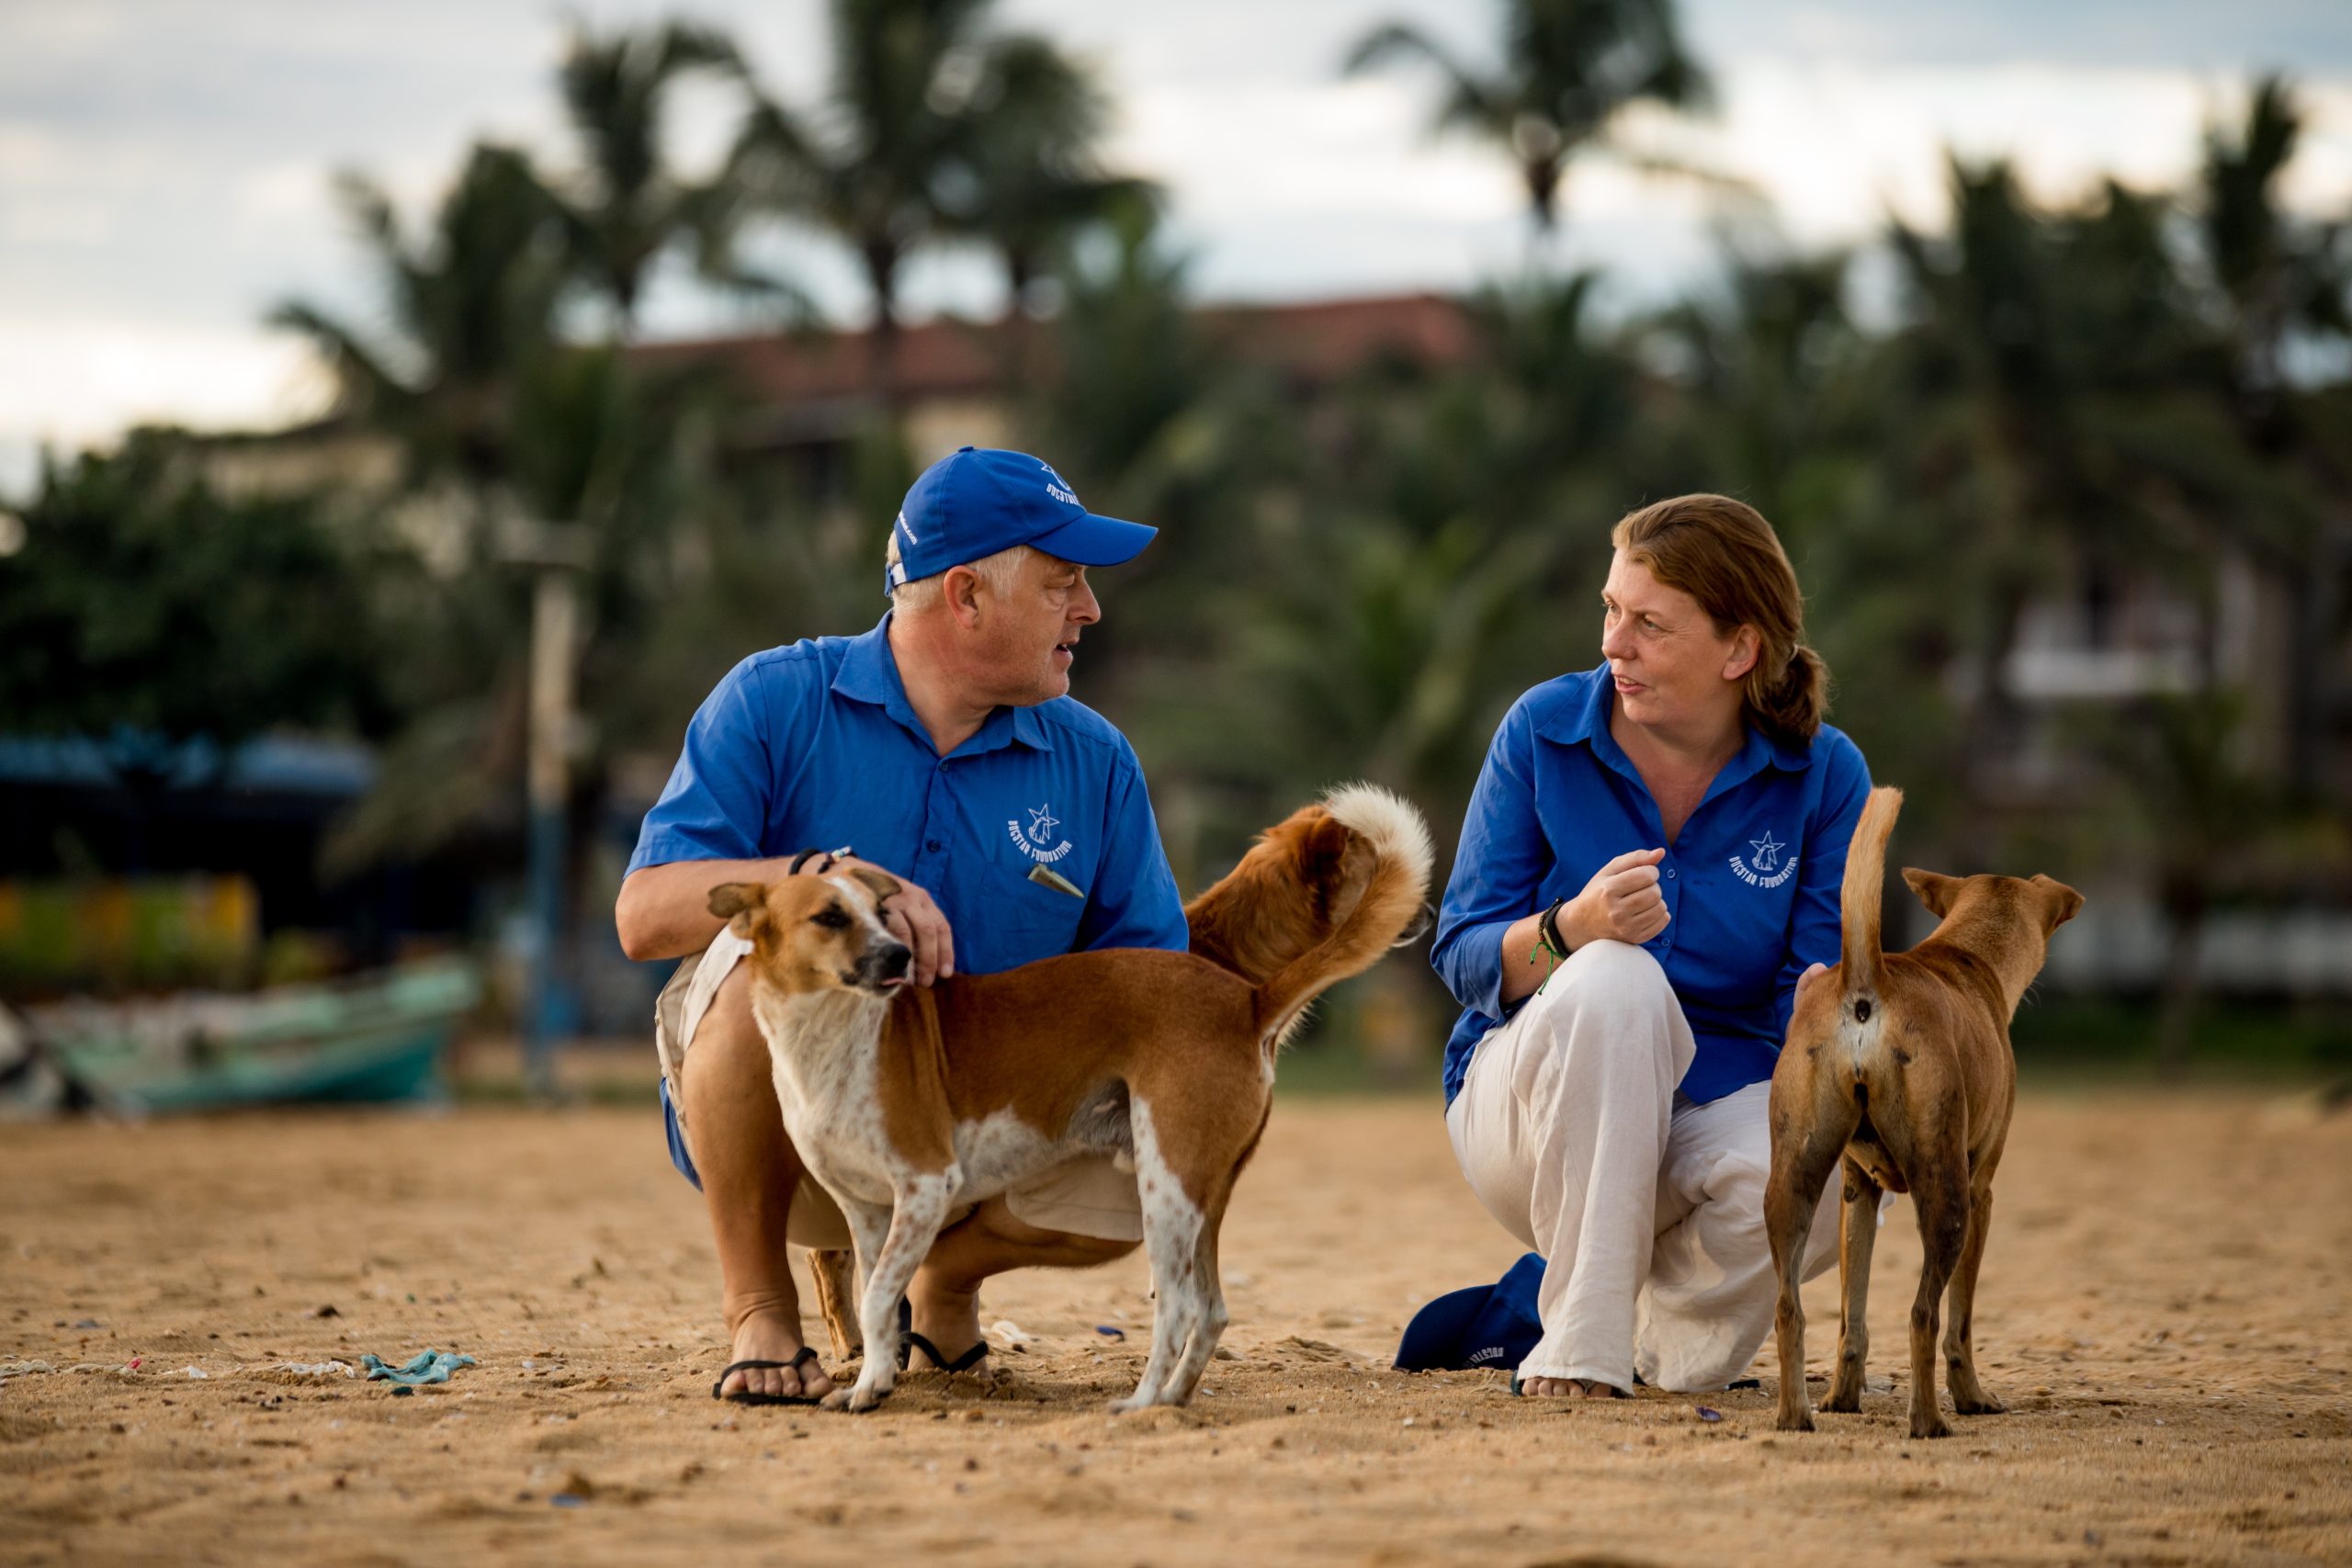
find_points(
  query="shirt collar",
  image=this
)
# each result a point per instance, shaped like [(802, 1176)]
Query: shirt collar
[(869, 673), (1585, 719)]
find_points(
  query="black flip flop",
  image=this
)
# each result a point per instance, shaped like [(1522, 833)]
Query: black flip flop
[(908, 1341), (807, 1357)]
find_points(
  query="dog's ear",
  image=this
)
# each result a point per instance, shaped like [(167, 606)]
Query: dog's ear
[(1935, 889), (881, 883), (740, 904), (2064, 903)]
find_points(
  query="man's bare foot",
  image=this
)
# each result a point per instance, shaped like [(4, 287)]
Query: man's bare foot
[(765, 1335), (1566, 1388), (949, 1317)]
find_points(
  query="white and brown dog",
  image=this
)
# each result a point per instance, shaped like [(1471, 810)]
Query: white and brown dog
[(907, 1103)]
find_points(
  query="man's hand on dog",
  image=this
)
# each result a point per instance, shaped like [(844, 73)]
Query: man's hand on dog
[(914, 919), (1622, 903)]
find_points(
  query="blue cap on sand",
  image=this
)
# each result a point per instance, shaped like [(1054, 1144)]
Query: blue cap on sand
[(1486, 1326), (978, 500)]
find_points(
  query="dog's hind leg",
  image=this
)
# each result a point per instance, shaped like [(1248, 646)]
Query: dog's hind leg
[(1171, 1235), (1209, 1327), (1209, 1320), (1857, 1235), (1968, 1395), (1940, 1193), (834, 1272), (1810, 1127)]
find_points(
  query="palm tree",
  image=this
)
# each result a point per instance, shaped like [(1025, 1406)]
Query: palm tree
[(471, 308), (1031, 176), (2279, 276), (627, 207), (2036, 415), (1570, 70), (2280, 282), (904, 112)]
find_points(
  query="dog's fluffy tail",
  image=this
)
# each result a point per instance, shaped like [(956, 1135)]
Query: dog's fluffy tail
[(1864, 964), (1392, 899)]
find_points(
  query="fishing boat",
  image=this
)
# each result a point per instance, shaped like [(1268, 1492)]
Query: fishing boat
[(373, 1038)]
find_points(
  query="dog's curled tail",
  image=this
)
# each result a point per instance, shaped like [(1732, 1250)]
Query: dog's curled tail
[(1392, 901), (1864, 964)]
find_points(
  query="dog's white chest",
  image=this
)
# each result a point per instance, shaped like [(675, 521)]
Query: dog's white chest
[(824, 1048)]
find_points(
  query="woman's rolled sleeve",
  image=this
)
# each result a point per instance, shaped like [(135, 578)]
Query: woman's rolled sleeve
[(1497, 869)]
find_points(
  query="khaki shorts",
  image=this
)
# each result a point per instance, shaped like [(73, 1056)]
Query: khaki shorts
[(1089, 1197)]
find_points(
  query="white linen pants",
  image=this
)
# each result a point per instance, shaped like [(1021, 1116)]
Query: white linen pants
[(1648, 1209)]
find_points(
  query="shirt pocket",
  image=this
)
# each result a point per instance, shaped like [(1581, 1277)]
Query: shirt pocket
[(1039, 921)]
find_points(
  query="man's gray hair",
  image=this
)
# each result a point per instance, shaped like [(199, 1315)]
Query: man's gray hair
[(922, 593)]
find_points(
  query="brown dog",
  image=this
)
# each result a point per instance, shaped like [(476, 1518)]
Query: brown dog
[(1318, 867), (1901, 1063), (906, 1104)]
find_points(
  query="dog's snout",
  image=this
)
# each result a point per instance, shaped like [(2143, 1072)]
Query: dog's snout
[(893, 960), (1422, 920)]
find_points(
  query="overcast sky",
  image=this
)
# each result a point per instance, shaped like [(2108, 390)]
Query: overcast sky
[(165, 167)]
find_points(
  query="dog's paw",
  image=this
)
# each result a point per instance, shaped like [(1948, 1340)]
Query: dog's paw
[(1929, 1424), (1844, 1402), (860, 1395), (1795, 1421), (1982, 1404), (1139, 1400)]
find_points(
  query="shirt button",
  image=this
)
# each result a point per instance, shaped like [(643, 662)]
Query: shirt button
[(932, 844), (1669, 871)]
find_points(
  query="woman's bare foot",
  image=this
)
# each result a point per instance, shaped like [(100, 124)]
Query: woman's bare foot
[(1568, 1388), (765, 1335)]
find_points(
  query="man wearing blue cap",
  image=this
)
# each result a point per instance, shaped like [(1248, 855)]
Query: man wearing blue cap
[(941, 747)]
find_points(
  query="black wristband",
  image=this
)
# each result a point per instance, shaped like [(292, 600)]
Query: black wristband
[(1547, 929), (803, 858)]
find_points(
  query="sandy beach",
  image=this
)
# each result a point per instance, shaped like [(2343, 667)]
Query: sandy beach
[(2167, 1309)]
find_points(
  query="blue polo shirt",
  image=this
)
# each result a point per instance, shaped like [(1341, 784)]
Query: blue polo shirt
[(1751, 882), (815, 746)]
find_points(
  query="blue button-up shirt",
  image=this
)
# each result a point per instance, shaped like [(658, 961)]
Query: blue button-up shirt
[(815, 745), (1752, 883)]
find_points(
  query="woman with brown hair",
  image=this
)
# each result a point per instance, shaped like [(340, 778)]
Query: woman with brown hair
[(1649, 868)]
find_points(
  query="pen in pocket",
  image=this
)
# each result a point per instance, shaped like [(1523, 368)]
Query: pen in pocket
[(1046, 876)]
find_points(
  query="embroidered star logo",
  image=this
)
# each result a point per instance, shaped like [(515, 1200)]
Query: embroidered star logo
[(1768, 851), (1042, 823)]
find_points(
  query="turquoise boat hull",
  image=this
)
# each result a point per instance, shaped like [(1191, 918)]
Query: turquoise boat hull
[(375, 1040)]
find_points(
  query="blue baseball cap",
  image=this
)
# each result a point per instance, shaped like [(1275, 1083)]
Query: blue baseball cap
[(978, 500), (1486, 1326)]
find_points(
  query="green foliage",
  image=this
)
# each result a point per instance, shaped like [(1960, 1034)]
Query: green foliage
[(1355, 577), (143, 600)]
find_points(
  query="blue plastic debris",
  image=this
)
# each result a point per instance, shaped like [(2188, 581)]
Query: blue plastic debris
[(428, 1367), (1108, 1332)]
